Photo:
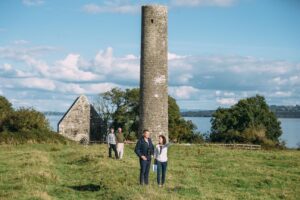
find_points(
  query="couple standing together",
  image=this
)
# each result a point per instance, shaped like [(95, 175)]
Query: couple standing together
[(144, 149), (116, 143)]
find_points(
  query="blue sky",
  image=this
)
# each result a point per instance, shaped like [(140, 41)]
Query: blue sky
[(219, 50)]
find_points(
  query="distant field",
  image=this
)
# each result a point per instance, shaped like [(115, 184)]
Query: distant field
[(51, 171)]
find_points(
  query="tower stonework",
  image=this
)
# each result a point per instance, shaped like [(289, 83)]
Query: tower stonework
[(154, 71)]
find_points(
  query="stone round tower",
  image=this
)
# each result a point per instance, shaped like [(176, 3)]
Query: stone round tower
[(154, 71)]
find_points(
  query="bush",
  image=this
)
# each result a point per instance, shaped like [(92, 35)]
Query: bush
[(249, 121), (25, 125), (27, 119)]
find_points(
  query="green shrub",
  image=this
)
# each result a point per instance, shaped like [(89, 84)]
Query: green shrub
[(27, 119), (25, 125)]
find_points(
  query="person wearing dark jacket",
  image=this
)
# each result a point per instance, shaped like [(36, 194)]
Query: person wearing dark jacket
[(144, 149)]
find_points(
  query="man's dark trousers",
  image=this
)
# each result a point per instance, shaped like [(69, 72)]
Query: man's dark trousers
[(113, 147), (144, 173)]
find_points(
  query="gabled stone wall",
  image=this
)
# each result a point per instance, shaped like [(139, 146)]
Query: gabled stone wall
[(81, 122)]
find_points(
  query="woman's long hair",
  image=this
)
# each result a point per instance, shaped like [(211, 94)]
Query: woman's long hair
[(163, 138)]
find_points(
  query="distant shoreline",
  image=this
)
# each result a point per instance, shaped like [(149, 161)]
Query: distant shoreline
[(208, 113), (280, 112)]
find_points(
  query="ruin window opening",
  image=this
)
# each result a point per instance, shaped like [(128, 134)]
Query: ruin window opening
[(152, 21)]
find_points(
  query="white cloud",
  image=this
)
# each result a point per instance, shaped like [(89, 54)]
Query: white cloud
[(70, 69), (100, 87), (125, 7), (184, 78), (222, 79), (183, 92), (38, 83), (8, 71), (32, 2), (226, 101), (281, 94), (173, 56), (193, 3), (111, 8), (21, 42), (229, 94), (122, 68), (70, 88)]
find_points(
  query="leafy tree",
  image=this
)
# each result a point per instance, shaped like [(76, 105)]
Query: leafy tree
[(119, 109), (250, 120), (5, 111), (123, 107)]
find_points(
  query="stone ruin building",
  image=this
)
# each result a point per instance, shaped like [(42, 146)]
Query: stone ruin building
[(81, 122)]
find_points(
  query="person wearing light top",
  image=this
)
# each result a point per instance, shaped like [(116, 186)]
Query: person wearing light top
[(111, 142), (161, 159)]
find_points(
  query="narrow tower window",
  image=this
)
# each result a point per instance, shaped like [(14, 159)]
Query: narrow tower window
[(152, 21)]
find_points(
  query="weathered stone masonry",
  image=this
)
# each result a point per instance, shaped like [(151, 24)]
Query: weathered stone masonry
[(154, 71), (81, 122)]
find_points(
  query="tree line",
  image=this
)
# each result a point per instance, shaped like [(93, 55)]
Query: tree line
[(249, 121)]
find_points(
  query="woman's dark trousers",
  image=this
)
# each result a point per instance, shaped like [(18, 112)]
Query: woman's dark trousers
[(144, 173), (161, 172), (114, 148)]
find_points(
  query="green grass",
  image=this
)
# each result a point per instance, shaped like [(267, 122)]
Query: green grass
[(57, 171)]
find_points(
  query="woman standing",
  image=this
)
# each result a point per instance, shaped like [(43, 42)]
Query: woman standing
[(161, 159)]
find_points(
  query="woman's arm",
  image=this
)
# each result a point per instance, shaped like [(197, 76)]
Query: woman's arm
[(168, 144)]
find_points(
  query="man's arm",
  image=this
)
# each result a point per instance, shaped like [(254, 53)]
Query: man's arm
[(137, 149), (152, 148)]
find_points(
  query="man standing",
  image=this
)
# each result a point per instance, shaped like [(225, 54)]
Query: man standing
[(120, 143), (144, 149), (111, 142)]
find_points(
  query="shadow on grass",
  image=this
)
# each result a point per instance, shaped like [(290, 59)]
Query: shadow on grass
[(87, 187)]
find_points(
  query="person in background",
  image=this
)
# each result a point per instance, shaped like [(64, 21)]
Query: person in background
[(111, 142), (161, 159), (120, 143), (144, 149)]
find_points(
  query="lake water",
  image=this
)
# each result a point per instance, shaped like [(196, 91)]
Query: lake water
[(290, 127)]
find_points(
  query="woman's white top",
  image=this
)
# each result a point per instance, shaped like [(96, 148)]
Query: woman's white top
[(161, 155)]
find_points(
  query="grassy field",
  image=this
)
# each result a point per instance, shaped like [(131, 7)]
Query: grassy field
[(56, 171)]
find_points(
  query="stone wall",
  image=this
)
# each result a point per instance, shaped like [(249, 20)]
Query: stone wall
[(81, 122)]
